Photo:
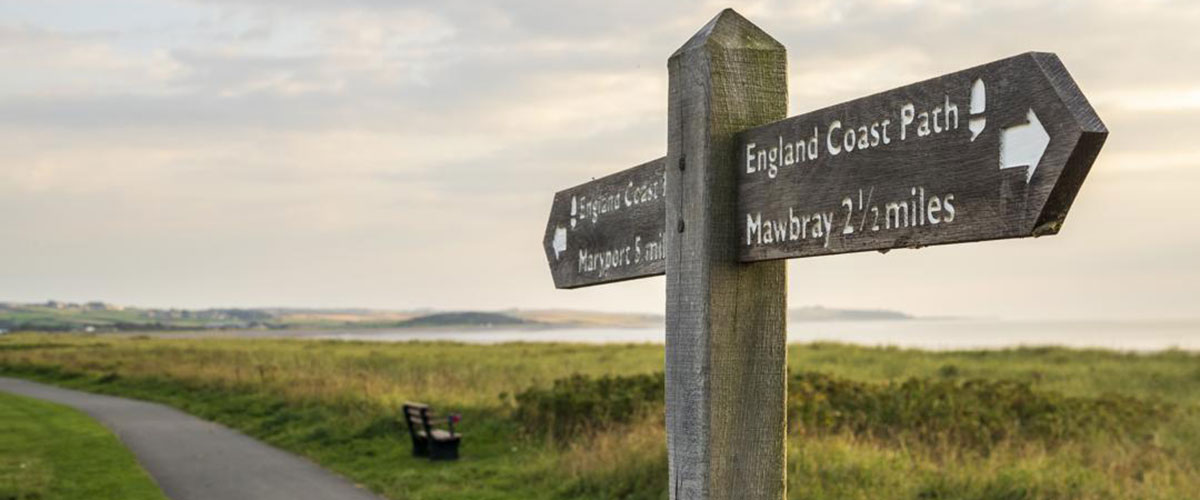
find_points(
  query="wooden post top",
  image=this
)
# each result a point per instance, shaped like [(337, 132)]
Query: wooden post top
[(729, 30)]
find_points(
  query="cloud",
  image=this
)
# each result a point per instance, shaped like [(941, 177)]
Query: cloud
[(404, 154), (40, 63)]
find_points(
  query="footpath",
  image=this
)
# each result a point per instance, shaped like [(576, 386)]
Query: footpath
[(193, 459)]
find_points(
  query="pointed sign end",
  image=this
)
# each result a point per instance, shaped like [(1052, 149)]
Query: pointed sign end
[(1068, 91), (1092, 134)]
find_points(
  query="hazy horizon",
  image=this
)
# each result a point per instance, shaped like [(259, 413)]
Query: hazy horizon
[(403, 155), (1186, 317)]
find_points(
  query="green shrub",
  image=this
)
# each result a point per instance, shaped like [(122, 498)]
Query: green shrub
[(971, 414), (580, 404), (974, 415), (949, 371)]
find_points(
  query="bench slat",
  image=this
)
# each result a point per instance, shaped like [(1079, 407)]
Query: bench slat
[(439, 435)]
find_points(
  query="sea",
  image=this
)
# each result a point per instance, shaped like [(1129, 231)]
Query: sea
[(932, 334)]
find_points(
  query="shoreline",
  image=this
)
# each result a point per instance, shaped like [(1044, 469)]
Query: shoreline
[(942, 334)]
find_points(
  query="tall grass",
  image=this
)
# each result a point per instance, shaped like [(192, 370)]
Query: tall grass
[(336, 401), (337, 372), (920, 438)]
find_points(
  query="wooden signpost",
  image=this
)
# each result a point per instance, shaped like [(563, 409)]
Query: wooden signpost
[(610, 229), (995, 151)]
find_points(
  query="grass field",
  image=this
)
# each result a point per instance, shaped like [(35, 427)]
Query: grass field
[(336, 403), (51, 452)]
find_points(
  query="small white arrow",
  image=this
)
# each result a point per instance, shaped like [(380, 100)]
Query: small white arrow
[(1023, 145), (560, 241)]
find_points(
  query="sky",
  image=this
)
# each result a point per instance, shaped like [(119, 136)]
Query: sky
[(401, 155)]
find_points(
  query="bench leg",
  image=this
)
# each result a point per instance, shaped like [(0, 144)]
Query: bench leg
[(420, 447), (443, 450)]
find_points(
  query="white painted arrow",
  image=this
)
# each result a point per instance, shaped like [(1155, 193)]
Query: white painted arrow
[(560, 241), (1023, 145)]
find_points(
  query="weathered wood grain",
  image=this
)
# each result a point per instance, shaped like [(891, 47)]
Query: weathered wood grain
[(725, 340), (996, 151), (609, 229), (857, 176)]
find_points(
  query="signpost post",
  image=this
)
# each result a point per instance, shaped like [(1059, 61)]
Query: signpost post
[(996, 151)]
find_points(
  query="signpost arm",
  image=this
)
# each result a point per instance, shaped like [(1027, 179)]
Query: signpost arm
[(726, 333)]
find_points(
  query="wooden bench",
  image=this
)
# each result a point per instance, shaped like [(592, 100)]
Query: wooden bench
[(436, 444)]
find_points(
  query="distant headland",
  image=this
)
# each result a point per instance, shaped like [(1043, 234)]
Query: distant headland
[(104, 317)]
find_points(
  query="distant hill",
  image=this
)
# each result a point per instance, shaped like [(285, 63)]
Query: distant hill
[(818, 313), (468, 318), (595, 319), (102, 317)]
